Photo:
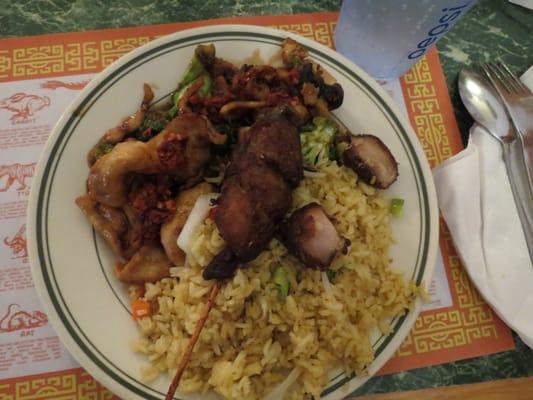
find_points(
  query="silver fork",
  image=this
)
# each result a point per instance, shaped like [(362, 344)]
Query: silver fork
[(518, 100), (511, 82)]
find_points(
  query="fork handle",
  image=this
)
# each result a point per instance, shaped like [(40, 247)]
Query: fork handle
[(522, 194), (527, 151)]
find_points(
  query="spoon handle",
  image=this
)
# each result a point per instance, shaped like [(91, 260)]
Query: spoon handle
[(522, 194)]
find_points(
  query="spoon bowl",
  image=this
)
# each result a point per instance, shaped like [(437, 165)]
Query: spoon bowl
[(483, 103)]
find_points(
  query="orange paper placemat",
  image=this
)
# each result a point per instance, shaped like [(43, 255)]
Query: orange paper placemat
[(466, 327)]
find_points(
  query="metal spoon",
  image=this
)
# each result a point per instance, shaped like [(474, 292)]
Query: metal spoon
[(483, 103)]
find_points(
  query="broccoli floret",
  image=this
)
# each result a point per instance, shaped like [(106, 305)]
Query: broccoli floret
[(317, 141), (154, 122), (102, 148)]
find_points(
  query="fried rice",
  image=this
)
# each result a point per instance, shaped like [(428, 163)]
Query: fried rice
[(253, 338)]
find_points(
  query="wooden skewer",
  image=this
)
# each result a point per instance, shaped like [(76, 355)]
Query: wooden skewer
[(197, 330)]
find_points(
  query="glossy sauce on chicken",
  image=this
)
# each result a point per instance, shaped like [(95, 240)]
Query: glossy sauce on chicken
[(257, 192)]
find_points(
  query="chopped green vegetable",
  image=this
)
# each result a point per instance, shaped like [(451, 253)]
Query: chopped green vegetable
[(195, 70), (102, 148), (279, 277), (176, 96), (341, 147), (155, 120), (296, 59), (206, 86), (317, 141), (331, 275), (396, 207), (328, 126)]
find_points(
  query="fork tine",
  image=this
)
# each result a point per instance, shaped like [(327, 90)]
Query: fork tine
[(518, 84), (502, 79), (493, 78), (506, 80)]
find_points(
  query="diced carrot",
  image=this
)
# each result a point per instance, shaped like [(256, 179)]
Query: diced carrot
[(140, 308)]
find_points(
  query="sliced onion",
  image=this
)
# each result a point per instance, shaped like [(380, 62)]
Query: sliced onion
[(328, 287), (175, 271), (279, 391), (311, 174), (197, 216)]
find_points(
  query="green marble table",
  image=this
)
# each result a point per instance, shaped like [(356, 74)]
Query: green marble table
[(493, 29)]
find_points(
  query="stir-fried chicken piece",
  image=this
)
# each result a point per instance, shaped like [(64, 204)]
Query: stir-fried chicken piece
[(328, 89), (120, 228), (221, 67), (256, 192), (310, 235), (149, 264), (181, 150), (309, 93), (128, 125), (371, 159), (171, 229), (108, 178), (313, 78), (109, 223), (197, 133), (292, 53)]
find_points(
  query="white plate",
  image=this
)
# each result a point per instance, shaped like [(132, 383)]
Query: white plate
[(72, 268)]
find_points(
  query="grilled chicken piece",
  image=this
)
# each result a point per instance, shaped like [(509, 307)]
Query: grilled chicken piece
[(128, 125), (250, 205), (256, 193), (310, 235), (171, 229), (278, 144), (371, 159)]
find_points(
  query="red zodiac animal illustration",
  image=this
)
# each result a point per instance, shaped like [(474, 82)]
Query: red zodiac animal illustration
[(56, 84), (18, 243), (16, 172), (17, 319), (24, 106)]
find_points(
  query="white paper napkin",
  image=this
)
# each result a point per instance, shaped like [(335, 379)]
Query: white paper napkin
[(523, 3), (477, 203)]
